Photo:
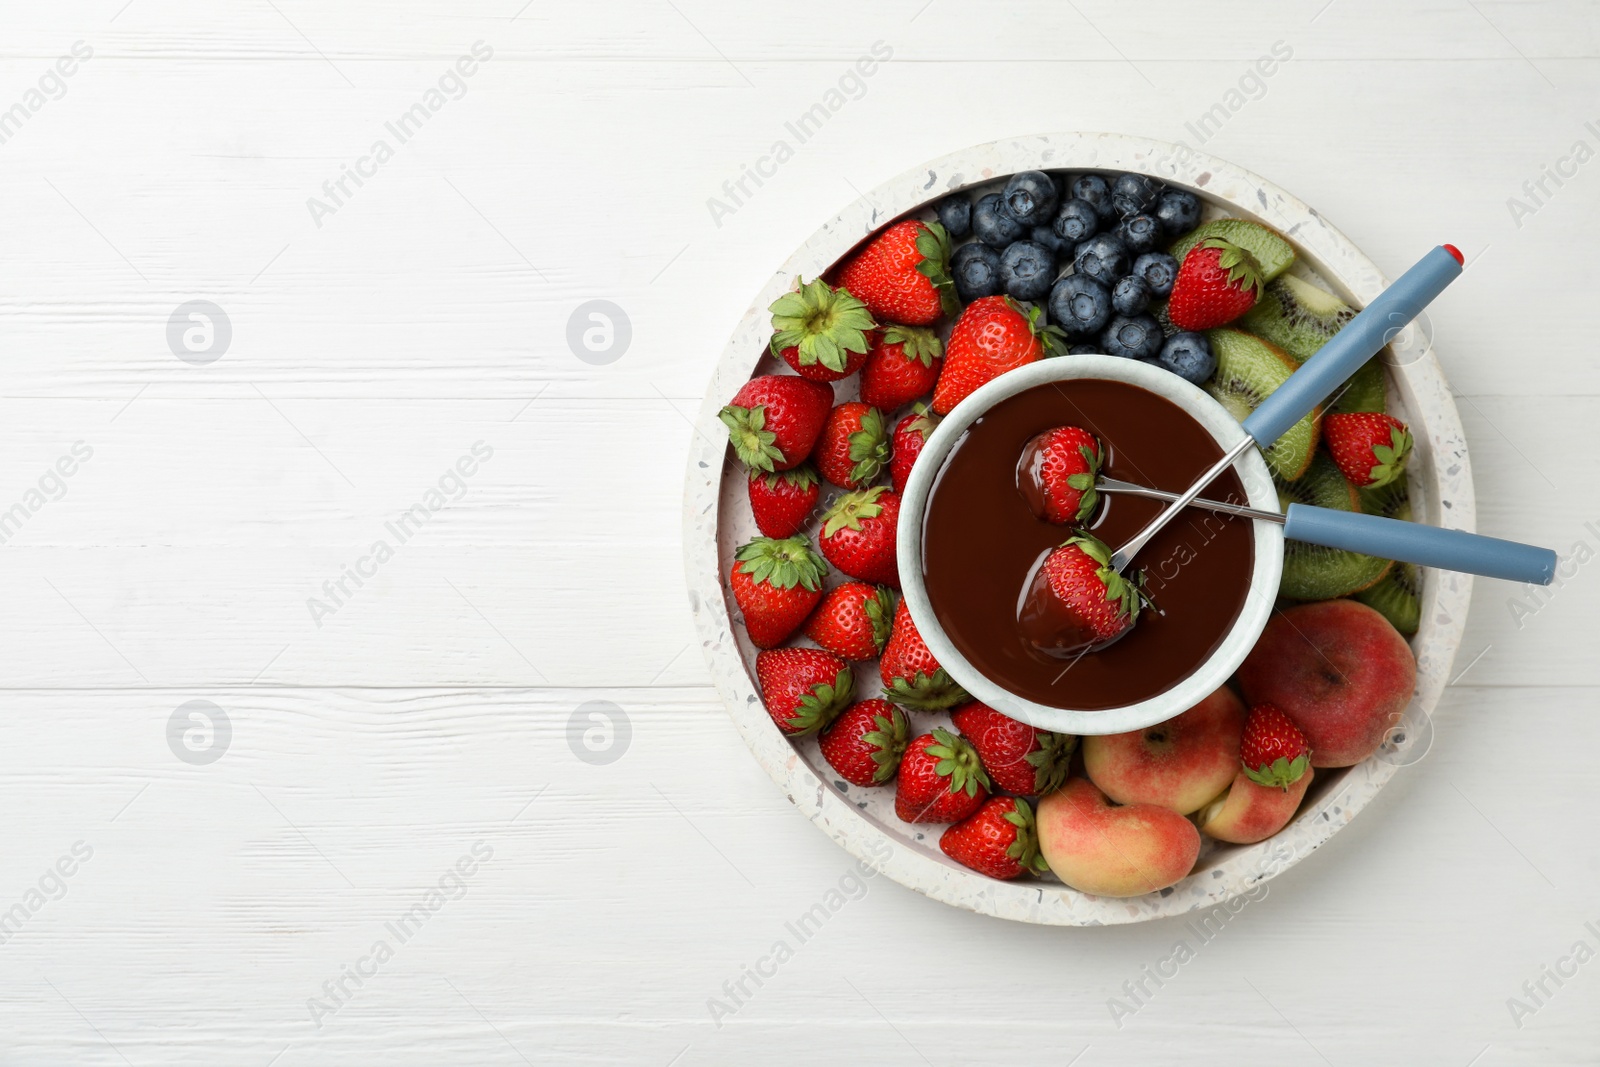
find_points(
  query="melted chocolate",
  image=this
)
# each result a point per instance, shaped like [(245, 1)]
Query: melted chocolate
[(981, 542)]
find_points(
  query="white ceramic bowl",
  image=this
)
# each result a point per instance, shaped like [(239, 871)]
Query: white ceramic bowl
[(717, 520), (1224, 659)]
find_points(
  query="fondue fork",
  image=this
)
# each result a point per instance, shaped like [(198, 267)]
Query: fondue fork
[(1374, 535), (1319, 376)]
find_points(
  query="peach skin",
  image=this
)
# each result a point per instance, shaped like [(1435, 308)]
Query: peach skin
[(1111, 851), (1249, 812), (1339, 670), (1178, 764)]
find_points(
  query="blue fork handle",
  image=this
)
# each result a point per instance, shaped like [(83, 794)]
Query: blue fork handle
[(1352, 346), (1427, 546)]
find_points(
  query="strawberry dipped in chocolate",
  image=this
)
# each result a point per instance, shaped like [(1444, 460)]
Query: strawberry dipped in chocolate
[(1076, 602)]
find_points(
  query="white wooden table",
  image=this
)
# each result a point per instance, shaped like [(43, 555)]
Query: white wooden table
[(393, 843)]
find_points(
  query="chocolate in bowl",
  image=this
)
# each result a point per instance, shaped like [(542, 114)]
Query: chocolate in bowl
[(981, 540)]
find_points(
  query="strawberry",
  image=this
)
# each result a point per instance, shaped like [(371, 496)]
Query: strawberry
[(853, 620), (805, 689), (782, 500), (999, 840), (1274, 751), (865, 743), (905, 444), (854, 445), (903, 365), (993, 335), (1058, 472), (858, 534), (1218, 282), (773, 421), (911, 676), (1078, 602), (1369, 446), (903, 274), (821, 331), (940, 780), (1019, 758), (776, 584)]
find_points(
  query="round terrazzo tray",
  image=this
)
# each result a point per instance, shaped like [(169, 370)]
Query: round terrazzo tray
[(717, 520)]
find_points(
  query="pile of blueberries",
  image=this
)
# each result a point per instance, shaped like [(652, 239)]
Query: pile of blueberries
[(1091, 247)]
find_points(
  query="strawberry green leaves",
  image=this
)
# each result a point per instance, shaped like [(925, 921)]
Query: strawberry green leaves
[(782, 564), (933, 243), (958, 761), (824, 324)]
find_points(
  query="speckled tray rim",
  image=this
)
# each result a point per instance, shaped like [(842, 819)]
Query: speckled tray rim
[(1442, 494)]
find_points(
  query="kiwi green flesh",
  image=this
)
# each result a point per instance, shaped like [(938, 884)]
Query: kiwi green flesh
[(1296, 316), (1272, 251), (1392, 501), (1249, 370), (1299, 318), (1397, 597), (1312, 572)]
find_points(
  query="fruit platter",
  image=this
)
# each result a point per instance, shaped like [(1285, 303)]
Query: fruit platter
[(1087, 247)]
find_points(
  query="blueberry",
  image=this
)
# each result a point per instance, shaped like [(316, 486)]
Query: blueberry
[(992, 222), (955, 214), (1188, 355), (1159, 271), (1080, 305), (1076, 221), (1083, 350), (1135, 194), (1130, 296), (1026, 270), (1044, 235), (1141, 233), (1134, 337), (1103, 258), (1030, 196), (1179, 212), (976, 270), (1094, 190)]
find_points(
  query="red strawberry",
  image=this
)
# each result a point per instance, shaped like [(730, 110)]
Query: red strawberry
[(941, 780), (905, 444), (820, 331), (1369, 446), (854, 445), (805, 689), (782, 500), (1274, 751), (903, 274), (903, 366), (911, 676), (1218, 282), (1057, 474), (858, 535), (773, 421), (1018, 757), (853, 620), (999, 840), (1077, 601), (865, 743), (776, 584), (993, 335)]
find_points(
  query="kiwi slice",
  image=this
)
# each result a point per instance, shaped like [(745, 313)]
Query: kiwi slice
[(1296, 316), (1299, 318), (1398, 596), (1312, 572), (1248, 370), (1272, 251)]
